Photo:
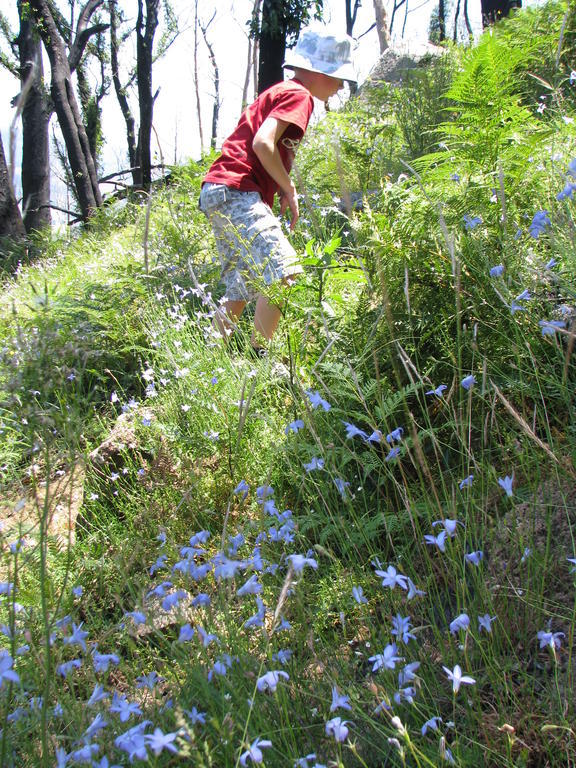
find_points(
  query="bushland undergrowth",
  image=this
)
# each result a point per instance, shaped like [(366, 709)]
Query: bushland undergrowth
[(367, 562)]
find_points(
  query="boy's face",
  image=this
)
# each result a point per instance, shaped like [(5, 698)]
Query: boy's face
[(325, 86)]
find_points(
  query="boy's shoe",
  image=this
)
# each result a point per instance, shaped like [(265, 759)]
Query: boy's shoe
[(277, 369)]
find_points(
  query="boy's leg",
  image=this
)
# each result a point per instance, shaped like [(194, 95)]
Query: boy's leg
[(266, 319), (227, 316), (267, 316)]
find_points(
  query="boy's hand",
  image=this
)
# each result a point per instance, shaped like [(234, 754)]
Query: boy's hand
[(289, 200)]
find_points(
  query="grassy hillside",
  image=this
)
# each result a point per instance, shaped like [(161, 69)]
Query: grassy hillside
[(369, 562)]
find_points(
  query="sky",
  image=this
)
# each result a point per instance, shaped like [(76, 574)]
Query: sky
[(175, 114)]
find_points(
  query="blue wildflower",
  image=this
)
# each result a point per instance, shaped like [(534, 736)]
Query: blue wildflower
[(358, 595), (497, 270), (98, 694), (551, 639), (269, 681), (549, 327), (337, 728), (159, 741), (78, 636), (387, 659), (257, 620), (339, 701), (317, 401), (437, 541), (123, 707), (6, 671), (540, 222), (401, 629), (195, 716), (457, 678), (471, 222), (201, 599), (395, 435), (341, 485), (462, 621), (506, 484), (102, 661), (353, 431), (393, 453), (242, 488), (254, 751), (283, 656), (391, 578), (408, 673), (485, 622), (438, 391), (294, 426), (468, 382), (250, 587), (431, 724), (62, 669), (299, 561), (474, 557), (148, 681), (315, 463)]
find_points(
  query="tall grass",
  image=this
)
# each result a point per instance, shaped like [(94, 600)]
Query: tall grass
[(368, 562)]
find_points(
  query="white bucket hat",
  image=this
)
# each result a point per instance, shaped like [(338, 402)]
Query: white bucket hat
[(319, 50)]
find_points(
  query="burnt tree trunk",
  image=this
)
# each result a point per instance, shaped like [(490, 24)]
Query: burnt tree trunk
[(121, 95), (441, 20), (36, 114), (272, 42), (11, 224), (492, 10), (66, 106), (351, 13), (145, 31)]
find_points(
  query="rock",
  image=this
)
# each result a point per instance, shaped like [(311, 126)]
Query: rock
[(395, 62), (60, 498)]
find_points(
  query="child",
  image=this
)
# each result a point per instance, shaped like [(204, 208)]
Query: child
[(238, 190)]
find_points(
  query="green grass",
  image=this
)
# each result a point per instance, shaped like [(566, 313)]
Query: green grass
[(110, 366)]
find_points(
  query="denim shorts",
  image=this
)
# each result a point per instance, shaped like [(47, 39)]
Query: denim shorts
[(254, 252)]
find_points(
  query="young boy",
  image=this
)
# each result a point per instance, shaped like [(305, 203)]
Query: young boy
[(238, 190)]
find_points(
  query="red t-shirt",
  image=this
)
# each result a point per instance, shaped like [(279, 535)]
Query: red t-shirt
[(238, 166)]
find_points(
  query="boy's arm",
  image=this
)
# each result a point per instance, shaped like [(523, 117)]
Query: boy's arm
[(264, 146)]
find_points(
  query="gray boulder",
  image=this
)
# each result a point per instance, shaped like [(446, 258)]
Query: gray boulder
[(396, 61)]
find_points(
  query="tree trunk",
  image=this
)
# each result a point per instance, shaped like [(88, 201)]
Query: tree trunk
[(456, 17), (252, 56), (381, 25), (351, 13), (441, 20), (467, 20), (216, 105), (492, 10), (68, 112), (145, 31), (120, 91), (272, 42), (11, 224), (35, 118), (197, 80)]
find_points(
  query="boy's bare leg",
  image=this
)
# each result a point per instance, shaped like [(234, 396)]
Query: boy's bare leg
[(266, 319), (267, 316), (227, 316)]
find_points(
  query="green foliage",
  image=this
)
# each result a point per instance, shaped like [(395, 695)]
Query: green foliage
[(286, 17), (384, 473)]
